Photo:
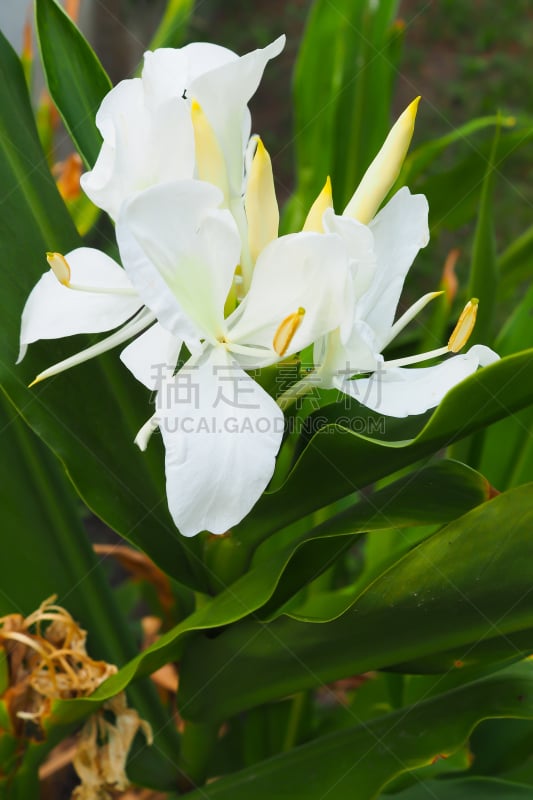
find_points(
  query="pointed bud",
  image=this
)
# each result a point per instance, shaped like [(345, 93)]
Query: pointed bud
[(285, 333), (465, 326), (60, 268), (385, 168), (210, 163), (260, 202), (324, 200)]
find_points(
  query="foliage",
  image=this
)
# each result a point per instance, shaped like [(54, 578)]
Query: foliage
[(366, 628)]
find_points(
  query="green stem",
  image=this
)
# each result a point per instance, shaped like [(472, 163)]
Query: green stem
[(297, 390)]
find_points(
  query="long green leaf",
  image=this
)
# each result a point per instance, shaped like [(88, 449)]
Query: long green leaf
[(89, 424), (461, 587), (47, 552), (466, 789), (483, 280), (337, 461), (507, 455), (173, 26), (264, 585), (76, 80), (515, 261), (360, 761), (333, 93)]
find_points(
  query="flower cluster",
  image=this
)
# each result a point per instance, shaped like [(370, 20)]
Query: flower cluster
[(208, 292)]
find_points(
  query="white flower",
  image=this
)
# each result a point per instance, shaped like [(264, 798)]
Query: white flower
[(181, 251), (220, 428), (148, 128), (381, 250), (381, 255)]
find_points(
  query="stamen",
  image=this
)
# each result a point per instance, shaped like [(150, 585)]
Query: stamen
[(103, 289), (60, 268), (465, 326), (410, 314), (285, 333)]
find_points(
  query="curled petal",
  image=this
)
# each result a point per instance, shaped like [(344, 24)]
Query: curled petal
[(145, 143), (221, 432), (399, 392), (53, 310), (181, 253), (224, 93), (307, 271), (400, 230)]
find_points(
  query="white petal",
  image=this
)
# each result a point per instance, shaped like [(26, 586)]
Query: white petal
[(221, 433), (53, 310), (399, 392), (302, 270), (400, 230), (181, 253), (359, 243), (204, 57), (147, 140), (224, 93), (152, 355), (335, 357)]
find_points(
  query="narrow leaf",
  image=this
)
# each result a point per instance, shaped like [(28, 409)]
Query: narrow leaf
[(76, 80)]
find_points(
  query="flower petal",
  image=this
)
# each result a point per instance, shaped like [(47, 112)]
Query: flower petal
[(400, 230), (148, 139), (181, 253), (399, 392), (221, 432), (152, 355), (53, 310), (360, 246), (224, 93), (301, 270)]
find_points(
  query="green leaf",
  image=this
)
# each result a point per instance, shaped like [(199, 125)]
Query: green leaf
[(451, 208), (515, 261), (483, 282), (460, 587), (357, 43), (338, 461), (46, 552), (88, 418), (420, 159), (466, 789), (507, 454), (76, 80), (360, 761), (173, 26), (264, 586)]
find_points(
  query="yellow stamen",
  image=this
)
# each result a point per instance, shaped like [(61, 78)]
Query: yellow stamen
[(36, 380), (260, 202), (385, 168), (285, 333), (60, 268), (210, 163), (322, 202), (465, 326)]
